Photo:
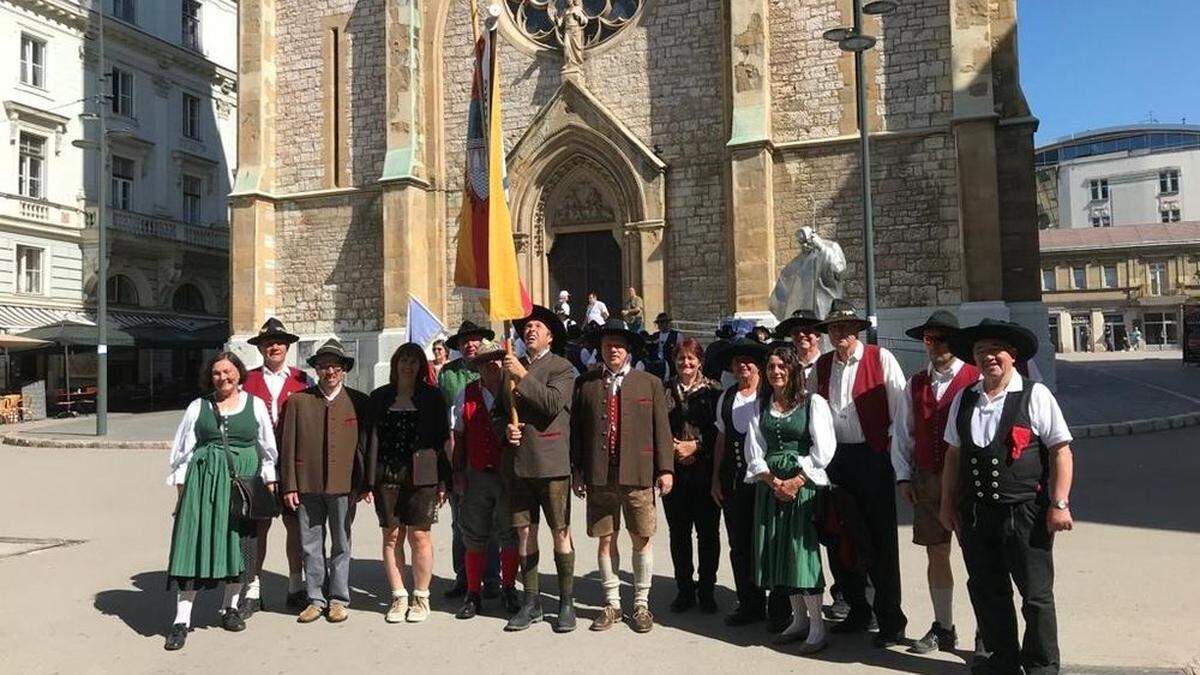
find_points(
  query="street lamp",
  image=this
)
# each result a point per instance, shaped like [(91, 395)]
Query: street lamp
[(853, 40)]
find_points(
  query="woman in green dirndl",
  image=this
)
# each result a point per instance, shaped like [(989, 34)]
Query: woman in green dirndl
[(788, 445), (207, 546)]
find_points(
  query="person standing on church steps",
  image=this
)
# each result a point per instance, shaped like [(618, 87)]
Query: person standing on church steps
[(634, 311), (621, 451), (597, 311), (663, 345), (865, 389), (452, 379), (273, 382), (1006, 486), (539, 477), (917, 452)]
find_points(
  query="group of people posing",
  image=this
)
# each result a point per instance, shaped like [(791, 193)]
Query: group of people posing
[(803, 450)]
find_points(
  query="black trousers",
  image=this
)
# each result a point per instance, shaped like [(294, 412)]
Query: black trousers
[(739, 529), (1003, 545), (690, 506), (867, 475)]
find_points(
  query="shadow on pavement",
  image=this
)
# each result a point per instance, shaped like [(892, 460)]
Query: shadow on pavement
[(149, 608)]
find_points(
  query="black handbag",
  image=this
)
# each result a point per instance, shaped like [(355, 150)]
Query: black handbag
[(249, 497)]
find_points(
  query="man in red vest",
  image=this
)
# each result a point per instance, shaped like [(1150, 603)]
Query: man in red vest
[(479, 429), (273, 382), (918, 449), (865, 389)]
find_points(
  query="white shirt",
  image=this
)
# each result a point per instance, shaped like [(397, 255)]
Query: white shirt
[(615, 380), (563, 309), (329, 397), (824, 442), (185, 438), (744, 410), (903, 430), (1045, 417), (596, 311), (456, 410), (275, 382), (841, 388)]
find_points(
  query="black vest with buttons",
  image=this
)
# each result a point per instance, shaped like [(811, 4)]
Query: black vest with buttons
[(988, 474), (733, 467)]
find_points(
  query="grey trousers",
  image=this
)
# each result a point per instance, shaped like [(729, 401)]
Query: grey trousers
[(318, 513)]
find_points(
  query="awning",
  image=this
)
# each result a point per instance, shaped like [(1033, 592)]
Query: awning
[(19, 318), (16, 343), (126, 328), (78, 334)]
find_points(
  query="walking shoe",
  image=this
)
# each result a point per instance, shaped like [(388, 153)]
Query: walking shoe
[(491, 589), (607, 617), (458, 590), (885, 639), (838, 611), (788, 636), (249, 607), (642, 620), (708, 603), (310, 614), (418, 609), (937, 639), (296, 600), (744, 617), (337, 613), (853, 623), (684, 600), (565, 621), (529, 614), (471, 607), (813, 647), (510, 601), (176, 637), (397, 610), (232, 621)]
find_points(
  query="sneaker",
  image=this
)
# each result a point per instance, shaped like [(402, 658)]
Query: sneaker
[(310, 614), (937, 639), (606, 619), (642, 620), (176, 637), (418, 609), (337, 613), (398, 609), (232, 621), (838, 611)]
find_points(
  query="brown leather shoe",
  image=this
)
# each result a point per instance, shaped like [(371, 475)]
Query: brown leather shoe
[(642, 620), (310, 614), (337, 613), (608, 616)]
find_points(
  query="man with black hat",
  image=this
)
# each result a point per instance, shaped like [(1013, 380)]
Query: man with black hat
[(539, 474), (273, 382), (735, 408), (453, 378), (663, 344), (1006, 487), (801, 329), (864, 386), (323, 476), (917, 452), (621, 451)]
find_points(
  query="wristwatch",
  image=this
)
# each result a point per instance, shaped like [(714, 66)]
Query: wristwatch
[(1061, 504)]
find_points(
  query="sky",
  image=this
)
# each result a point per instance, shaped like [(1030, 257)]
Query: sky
[(1087, 64)]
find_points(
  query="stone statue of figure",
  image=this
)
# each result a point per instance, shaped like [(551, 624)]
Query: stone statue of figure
[(569, 24), (812, 279)]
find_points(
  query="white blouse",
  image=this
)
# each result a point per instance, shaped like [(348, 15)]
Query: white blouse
[(820, 428), (185, 438)]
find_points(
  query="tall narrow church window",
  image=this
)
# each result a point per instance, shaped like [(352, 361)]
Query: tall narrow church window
[(336, 133)]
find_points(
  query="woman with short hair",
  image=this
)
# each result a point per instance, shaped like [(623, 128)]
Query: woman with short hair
[(208, 547), (410, 426)]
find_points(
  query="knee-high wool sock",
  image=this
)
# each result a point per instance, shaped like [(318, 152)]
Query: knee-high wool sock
[(800, 619), (529, 566), (474, 561), (816, 625), (609, 566), (508, 567), (183, 607), (943, 606), (564, 564), (232, 592), (643, 574)]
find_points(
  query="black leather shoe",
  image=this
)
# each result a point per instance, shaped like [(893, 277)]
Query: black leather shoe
[(297, 600), (510, 601), (937, 639), (491, 589), (232, 621), (684, 600), (885, 639), (176, 637), (529, 614), (458, 590), (565, 621), (853, 623), (743, 617), (249, 607), (708, 603), (470, 608)]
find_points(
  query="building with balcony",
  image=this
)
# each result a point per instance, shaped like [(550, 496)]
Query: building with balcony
[(167, 83)]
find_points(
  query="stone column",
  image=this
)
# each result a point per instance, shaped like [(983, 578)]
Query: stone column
[(751, 191), (252, 230), (644, 241)]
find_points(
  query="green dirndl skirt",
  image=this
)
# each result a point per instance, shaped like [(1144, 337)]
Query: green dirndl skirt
[(786, 552), (207, 546)]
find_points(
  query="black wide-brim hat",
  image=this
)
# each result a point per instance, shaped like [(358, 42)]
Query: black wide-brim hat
[(942, 319), (272, 329), (548, 317), (720, 358), (801, 318), (468, 329), (841, 311), (616, 327), (332, 348), (1020, 338)]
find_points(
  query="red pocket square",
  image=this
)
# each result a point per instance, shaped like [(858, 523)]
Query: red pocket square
[(645, 401), (1017, 440)]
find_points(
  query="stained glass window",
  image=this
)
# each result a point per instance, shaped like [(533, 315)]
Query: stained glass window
[(538, 19)]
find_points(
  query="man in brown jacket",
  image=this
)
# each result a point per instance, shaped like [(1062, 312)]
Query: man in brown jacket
[(322, 474), (538, 461), (621, 449)]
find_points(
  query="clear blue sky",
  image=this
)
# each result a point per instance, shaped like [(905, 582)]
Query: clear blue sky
[(1087, 64)]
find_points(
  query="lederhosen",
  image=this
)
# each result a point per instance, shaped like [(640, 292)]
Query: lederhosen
[(1002, 510)]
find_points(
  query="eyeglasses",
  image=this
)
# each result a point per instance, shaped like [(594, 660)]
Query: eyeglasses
[(934, 339), (331, 367)]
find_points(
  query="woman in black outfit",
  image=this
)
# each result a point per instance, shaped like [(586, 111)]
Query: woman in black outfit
[(692, 402), (409, 471)]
